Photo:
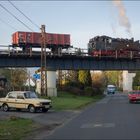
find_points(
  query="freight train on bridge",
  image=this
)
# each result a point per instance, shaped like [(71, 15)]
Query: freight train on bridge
[(27, 40), (60, 44)]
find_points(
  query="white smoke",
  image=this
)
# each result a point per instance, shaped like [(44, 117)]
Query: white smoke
[(113, 29), (123, 19)]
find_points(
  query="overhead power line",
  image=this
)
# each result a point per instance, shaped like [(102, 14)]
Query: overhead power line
[(23, 14), (16, 17), (8, 24)]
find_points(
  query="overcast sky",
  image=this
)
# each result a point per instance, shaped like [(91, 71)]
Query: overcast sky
[(82, 19)]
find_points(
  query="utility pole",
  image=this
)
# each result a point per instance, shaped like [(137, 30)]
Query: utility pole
[(29, 78), (43, 61), (60, 78)]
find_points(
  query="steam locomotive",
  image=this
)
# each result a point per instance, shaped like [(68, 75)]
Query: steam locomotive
[(105, 46)]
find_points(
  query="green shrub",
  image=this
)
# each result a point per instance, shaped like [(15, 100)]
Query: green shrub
[(88, 91), (76, 91), (72, 89), (119, 89), (75, 84), (3, 93), (97, 91), (136, 87)]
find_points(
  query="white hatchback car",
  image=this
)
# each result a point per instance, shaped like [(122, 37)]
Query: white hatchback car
[(24, 100)]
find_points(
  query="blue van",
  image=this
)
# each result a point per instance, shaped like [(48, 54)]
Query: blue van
[(111, 89)]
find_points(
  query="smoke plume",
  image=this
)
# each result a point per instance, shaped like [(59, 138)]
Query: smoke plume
[(113, 29), (123, 19)]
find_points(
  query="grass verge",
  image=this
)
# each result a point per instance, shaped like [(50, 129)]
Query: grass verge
[(15, 129), (68, 101)]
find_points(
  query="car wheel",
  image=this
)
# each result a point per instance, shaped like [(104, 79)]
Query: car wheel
[(5, 107), (45, 109), (32, 109), (18, 109)]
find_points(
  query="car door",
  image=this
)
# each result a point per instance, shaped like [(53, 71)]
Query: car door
[(11, 99), (20, 101)]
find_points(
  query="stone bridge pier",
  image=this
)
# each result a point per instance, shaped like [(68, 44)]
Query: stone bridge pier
[(127, 80), (51, 84)]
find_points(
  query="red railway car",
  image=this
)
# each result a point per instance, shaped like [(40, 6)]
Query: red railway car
[(33, 39)]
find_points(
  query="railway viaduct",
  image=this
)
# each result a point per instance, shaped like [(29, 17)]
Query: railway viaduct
[(70, 62)]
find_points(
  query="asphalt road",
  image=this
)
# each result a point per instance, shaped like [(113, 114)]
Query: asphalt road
[(111, 118)]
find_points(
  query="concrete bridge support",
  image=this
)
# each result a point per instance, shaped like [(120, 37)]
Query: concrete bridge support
[(51, 84), (127, 80)]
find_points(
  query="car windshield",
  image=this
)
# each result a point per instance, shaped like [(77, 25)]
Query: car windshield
[(30, 95), (111, 87)]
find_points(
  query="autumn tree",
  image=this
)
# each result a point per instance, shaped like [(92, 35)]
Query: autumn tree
[(136, 80), (98, 80), (73, 76), (18, 78), (6, 73), (66, 77), (84, 77), (113, 77)]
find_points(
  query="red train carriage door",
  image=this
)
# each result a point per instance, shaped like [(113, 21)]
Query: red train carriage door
[(28, 38), (21, 37)]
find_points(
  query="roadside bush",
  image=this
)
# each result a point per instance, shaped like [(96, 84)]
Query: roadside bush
[(88, 91), (3, 93), (75, 84), (136, 87), (64, 88), (73, 90), (97, 91), (76, 91), (120, 89)]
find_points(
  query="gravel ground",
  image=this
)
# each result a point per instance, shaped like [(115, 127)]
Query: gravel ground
[(47, 121)]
